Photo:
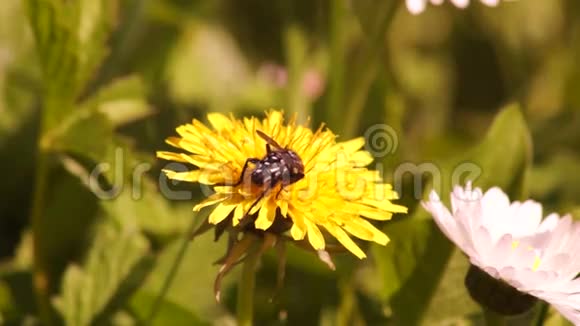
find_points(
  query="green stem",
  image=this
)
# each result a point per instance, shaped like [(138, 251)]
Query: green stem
[(41, 273), (347, 309), (296, 58), (367, 62), (357, 100), (172, 273), (338, 17), (245, 308), (494, 319), (541, 313)]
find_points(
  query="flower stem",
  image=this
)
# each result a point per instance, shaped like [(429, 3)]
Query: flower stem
[(41, 273), (494, 319), (245, 308)]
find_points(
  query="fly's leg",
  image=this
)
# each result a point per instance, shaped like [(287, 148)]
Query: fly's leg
[(279, 191), (244, 221), (285, 182), (252, 160)]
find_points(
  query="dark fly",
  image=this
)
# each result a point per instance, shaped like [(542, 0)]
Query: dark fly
[(279, 166)]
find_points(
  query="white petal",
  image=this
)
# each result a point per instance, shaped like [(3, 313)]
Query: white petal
[(502, 254), (557, 262), (492, 271), (573, 286), (433, 196), (467, 209), (527, 217), (524, 256), (531, 280), (559, 236), (491, 3), (508, 274), (416, 6), (549, 223), (460, 3), (444, 220), (483, 245), (495, 205)]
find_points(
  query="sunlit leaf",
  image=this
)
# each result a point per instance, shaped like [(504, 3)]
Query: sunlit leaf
[(86, 133), (16, 64), (70, 37), (122, 101)]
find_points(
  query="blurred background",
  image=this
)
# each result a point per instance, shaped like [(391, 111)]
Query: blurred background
[(99, 84)]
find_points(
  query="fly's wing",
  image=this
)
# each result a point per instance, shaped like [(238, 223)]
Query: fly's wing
[(269, 140)]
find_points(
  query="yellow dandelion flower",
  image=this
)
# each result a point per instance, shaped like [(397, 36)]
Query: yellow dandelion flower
[(336, 195)]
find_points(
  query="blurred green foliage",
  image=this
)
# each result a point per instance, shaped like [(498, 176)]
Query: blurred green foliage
[(99, 84)]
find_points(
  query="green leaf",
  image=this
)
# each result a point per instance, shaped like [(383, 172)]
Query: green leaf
[(6, 302), (16, 295), (115, 262), (16, 63), (88, 131), (208, 67), (422, 272), (554, 182), (93, 153), (71, 212), (122, 101), (127, 194), (375, 18), (554, 318), (70, 35), (70, 38), (192, 288), (148, 211), (170, 313), (85, 132)]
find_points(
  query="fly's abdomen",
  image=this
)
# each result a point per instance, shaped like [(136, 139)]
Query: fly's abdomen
[(268, 173)]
